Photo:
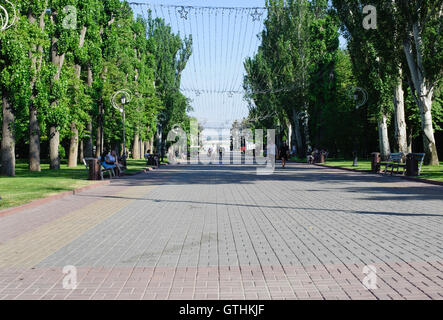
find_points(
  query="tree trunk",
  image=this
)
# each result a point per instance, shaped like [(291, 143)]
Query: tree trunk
[(81, 152), (98, 143), (34, 140), (423, 93), (8, 141), (54, 142), (88, 141), (385, 149), (100, 134), (101, 117), (307, 135), (54, 134), (116, 147), (136, 147), (34, 126), (428, 132), (142, 149), (298, 136), (73, 148), (400, 122), (90, 76), (151, 144)]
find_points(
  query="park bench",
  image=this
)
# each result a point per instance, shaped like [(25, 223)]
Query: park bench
[(394, 162), (109, 171)]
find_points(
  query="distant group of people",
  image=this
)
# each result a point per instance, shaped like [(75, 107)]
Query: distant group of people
[(109, 159), (152, 159), (284, 153), (315, 156)]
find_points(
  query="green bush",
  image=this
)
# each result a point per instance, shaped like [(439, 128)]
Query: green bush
[(61, 152)]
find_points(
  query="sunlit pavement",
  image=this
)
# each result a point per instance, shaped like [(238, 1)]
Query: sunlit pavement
[(223, 232)]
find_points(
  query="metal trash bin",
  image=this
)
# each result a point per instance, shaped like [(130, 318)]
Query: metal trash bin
[(411, 165), (375, 162), (94, 169)]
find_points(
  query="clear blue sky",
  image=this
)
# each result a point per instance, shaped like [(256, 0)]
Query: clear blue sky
[(222, 41)]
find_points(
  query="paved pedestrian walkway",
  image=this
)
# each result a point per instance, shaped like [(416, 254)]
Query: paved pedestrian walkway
[(223, 232)]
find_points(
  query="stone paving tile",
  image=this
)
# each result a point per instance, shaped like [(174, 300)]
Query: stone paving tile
[(222, 232)]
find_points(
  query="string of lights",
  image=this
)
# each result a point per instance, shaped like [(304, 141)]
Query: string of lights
[(184, 9), (222, 40), (187, 13)]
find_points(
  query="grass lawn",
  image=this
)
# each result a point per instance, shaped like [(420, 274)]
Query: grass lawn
[(27, 186), (427, 172), (432, 172), (362, 164), (134, 166)]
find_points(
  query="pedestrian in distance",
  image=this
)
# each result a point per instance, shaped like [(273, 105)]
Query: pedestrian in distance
[(284, 154)]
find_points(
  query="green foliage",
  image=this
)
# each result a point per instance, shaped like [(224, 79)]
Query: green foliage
[(171, 55), (299, 68), (120, 51), (62, 152)]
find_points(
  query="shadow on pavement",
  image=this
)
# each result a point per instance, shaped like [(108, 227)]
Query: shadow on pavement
[(373, 187)]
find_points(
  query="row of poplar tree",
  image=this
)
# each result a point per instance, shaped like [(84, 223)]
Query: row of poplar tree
[(385, 86), (62, 61)]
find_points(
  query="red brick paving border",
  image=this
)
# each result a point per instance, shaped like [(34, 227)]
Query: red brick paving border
[(336, 282)]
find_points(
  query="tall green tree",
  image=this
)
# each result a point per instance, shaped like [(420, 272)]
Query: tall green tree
[(14, 87), (369, 64), (421, 26), (171, 54), (88, 19), (39, 45), (299, 42)]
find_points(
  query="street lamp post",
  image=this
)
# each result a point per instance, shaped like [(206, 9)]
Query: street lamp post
[(125, 97), (123, 101)]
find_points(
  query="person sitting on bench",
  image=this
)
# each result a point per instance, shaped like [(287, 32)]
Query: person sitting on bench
[(108, 161)]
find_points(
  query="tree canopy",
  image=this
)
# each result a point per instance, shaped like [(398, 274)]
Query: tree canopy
[(62, 62)]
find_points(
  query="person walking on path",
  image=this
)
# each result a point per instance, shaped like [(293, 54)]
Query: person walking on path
[(284, 154)]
